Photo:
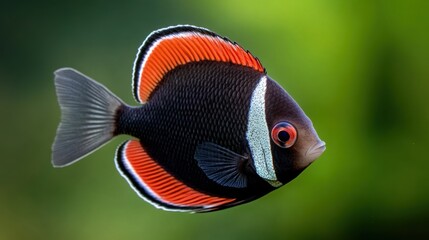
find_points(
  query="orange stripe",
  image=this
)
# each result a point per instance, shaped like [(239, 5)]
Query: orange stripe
[(166, 59), (168, 189), (172, 52), (191, 54), (214, 48), (208, 48), (222, 53)]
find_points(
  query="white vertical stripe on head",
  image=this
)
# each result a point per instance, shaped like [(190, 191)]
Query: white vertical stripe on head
[(258, 136)]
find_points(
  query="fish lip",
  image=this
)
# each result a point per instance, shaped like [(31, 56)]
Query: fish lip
[(316, 149)]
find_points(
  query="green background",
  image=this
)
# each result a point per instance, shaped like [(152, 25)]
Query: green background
[(359, 69)]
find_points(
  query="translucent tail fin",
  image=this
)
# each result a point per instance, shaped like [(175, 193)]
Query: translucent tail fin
[(88, 116)]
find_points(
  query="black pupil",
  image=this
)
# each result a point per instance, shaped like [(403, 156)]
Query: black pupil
[(283, 136)]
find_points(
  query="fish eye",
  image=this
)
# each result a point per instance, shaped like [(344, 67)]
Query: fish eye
[(284, 134)]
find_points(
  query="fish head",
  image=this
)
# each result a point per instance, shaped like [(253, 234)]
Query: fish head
[(294, 142)]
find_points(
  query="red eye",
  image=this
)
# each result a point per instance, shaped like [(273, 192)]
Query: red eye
[(284, 134)]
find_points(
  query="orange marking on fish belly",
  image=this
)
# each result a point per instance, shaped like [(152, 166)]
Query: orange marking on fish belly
[(164, 186)]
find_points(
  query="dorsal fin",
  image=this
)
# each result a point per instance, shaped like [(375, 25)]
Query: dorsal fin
[(167, 48)]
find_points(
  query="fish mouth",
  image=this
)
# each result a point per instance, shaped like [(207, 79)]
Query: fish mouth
[(316, 150)]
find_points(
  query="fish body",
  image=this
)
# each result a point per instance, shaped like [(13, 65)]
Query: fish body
[(213, 129)]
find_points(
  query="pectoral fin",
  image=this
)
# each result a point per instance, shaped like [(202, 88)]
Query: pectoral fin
[(222, 165)]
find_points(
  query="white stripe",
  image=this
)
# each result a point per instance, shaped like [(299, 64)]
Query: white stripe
[(258, 136)]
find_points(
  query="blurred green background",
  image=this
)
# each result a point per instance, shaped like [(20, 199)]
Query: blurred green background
[(360, 70)]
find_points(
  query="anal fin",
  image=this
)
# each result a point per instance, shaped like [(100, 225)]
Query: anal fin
[(157, 186)]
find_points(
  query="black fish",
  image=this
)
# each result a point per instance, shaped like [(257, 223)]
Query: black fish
[(212, 131)]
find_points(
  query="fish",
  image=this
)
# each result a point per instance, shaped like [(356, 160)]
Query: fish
[(211, 130)]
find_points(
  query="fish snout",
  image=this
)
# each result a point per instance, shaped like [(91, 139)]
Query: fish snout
[(316, 150)]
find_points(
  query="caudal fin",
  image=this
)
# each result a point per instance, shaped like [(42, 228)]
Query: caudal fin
[(88, 115)]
